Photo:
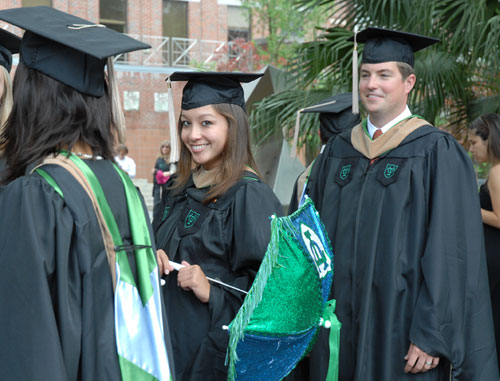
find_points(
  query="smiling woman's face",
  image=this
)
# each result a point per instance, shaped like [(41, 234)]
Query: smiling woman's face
[(204, 132)]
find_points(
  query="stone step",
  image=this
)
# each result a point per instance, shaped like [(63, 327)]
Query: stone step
[(146, 189)]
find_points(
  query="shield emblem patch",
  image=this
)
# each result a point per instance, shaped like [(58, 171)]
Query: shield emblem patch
[(191, 218), (344, 172), (390, 170)]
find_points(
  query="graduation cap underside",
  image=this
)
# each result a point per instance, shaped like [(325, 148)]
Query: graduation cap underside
[(335, 115), (334, 105), (9, 44), (206, 88), (10, 41), (67, 48)]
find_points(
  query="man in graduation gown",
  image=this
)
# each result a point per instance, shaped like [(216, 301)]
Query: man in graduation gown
[(402, 213)]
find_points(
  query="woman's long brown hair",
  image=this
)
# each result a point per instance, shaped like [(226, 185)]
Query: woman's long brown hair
[(487, 127), (236, 156), (48, 115)]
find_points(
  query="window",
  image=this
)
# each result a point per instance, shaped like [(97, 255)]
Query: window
[(113, 14), (131, 100), (35, 3), (175, 18), (161, 102), (238, 23)]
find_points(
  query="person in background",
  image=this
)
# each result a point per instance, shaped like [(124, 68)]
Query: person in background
[(484, 139), (75, 236), (214, 220), (399, 201), (125, 162), (335, 116), (9, 44), (161, 174)]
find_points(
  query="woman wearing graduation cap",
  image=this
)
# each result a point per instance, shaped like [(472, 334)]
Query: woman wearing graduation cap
[(214, 221), (399, 201), (9, 44), (80, 287)]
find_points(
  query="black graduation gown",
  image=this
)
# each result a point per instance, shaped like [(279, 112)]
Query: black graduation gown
[(492, 243), (298, 187), (2, 165), (56, 292), (409, 259), (227, 239)]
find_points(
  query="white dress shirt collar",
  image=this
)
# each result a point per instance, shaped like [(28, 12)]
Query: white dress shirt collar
[(371, 128)]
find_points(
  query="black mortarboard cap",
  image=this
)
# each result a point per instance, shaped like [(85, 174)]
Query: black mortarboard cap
[(207, 88), (384, 45), (67, 48), (335, 114), (9, 45)]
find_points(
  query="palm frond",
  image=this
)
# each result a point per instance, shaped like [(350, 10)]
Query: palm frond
[(279, 111), (456, 79)]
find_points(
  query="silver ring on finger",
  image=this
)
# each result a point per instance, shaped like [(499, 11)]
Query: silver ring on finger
[(428, 363)]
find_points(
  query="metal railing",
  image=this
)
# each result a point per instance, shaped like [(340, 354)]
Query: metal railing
[(183, 52), (186, 52)]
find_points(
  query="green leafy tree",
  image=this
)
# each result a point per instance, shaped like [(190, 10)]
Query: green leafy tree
[(457, 79), (284, 26)]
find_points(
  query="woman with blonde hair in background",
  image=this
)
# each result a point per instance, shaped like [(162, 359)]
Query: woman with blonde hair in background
[(161, 173)]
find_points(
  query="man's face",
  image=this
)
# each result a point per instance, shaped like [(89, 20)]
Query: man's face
[(383, 91)]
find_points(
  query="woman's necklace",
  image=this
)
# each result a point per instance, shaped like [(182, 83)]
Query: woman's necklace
[(86, 155)]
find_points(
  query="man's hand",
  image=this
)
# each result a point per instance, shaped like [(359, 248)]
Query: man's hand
[(418, 361)]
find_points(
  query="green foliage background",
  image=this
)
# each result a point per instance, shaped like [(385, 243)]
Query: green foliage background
[(457, 79)]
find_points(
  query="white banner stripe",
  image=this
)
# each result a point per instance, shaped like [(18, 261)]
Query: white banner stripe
[(139, 330)]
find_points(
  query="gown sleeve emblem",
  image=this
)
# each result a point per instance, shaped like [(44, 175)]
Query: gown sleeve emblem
[(390, 170), (344, 171), (191, 218), (165, 213)]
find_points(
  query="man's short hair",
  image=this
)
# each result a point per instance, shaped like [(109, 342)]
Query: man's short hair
[(405, 69)]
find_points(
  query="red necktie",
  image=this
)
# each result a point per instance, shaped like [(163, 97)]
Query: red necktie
[(377, 133)]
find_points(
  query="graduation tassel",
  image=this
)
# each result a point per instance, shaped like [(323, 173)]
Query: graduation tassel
[(293, 153), (116, 103), (355, 96), (174, 145)]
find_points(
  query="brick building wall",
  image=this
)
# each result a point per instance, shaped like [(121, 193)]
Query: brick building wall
[(147, 128), (87, 9), (207, 20)]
